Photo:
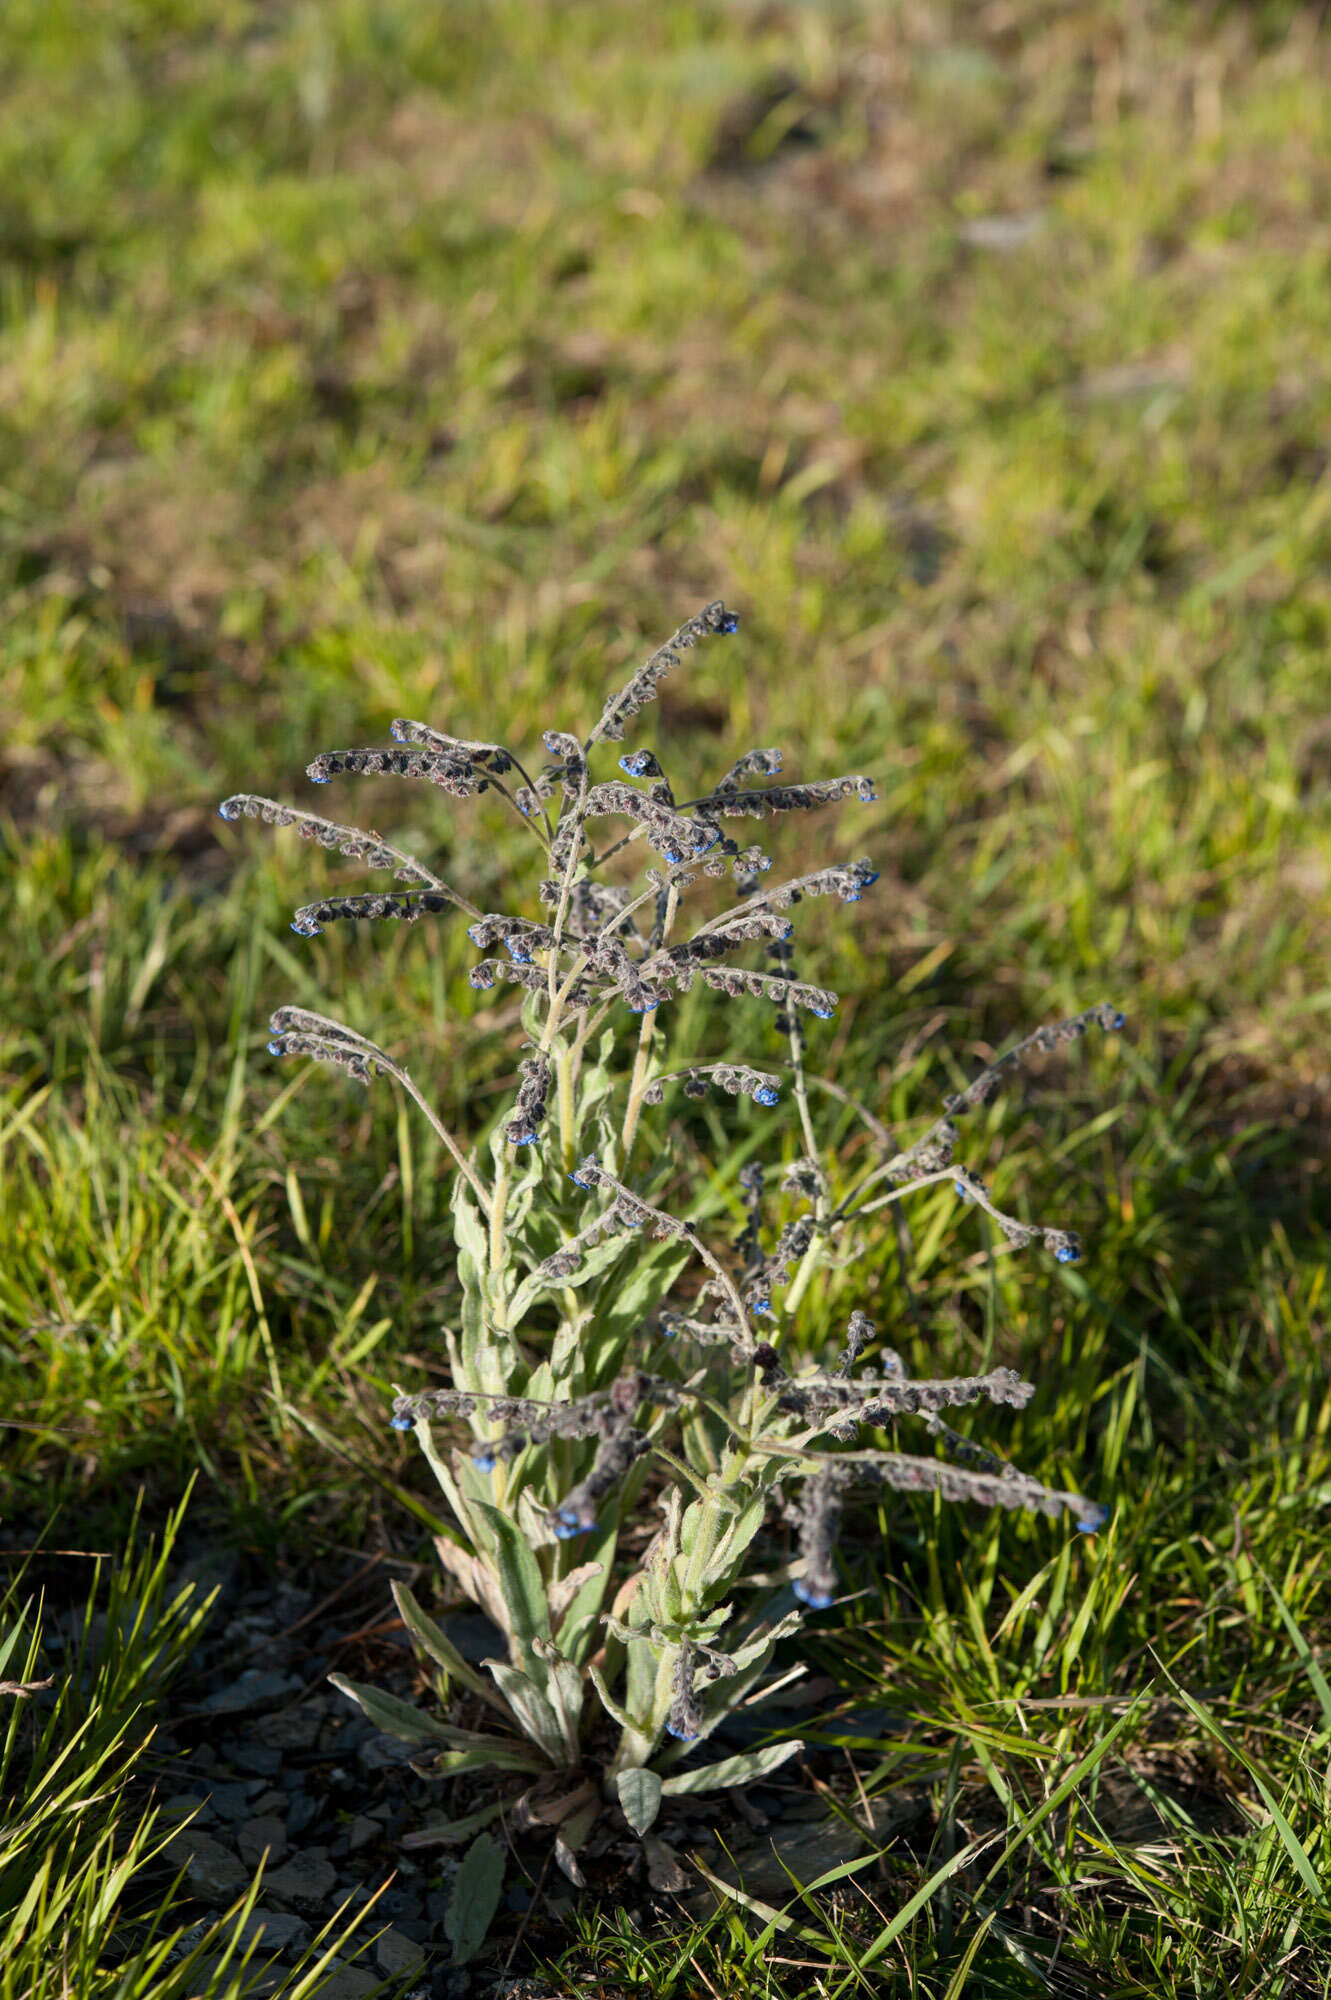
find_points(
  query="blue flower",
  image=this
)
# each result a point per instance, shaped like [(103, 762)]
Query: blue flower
[(962, 1190), (759, 1305), (1120, 1021), (277, 1048), (817, 1600), (672, 856), (566, 1525), (823, 1013), (306, 929), (729, 624), (637, 763), (318, 779), (402, 1422), (1066, 1254), (1093, 1519), (681, 1735), (484, 1461), (766, 1094), (524, 1137), (228, 810)]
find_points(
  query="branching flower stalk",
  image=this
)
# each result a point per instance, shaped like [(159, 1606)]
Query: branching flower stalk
[(607, 1354)]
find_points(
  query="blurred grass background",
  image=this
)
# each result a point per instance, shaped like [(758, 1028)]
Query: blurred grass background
[(373, 358)]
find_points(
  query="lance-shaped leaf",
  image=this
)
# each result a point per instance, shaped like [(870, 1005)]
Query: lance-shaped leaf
[(639, 1797), (535, 1712), (395, 1718), (741, 1770), (519, 1579), (434, 1641), (569, 1839), (475, 1898), (451, 1832)]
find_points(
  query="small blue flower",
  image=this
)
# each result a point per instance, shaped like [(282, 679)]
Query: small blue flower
[(306, 929), (869, 877), (473, 932), (681, 1735), (277, 1048), (484, 1461), (525, 1137), (962, 1190), (816, 1600), (402, 1423), (766, 1094), (1093, 1519), (228, 810), (823, 1013), (1066, 1254), (516, 952), (852, 896), (645, 1008), (319, 779), (729, 624), (398, 730), (523, 807), (760, 1305), (637, 763), (1120, 1021), (672, 856), (566, 1525)]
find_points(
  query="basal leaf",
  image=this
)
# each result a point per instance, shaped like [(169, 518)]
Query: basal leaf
[(477, 1888), (434, 1641), (744, 1769), (639, 1797), (519, 1577), (535, 1711), (394, 1717)]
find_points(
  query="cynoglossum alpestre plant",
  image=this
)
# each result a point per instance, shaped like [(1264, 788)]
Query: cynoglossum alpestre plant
[(612, 1352)]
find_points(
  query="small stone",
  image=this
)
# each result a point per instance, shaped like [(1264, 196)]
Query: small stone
[(231, 1802), (272, 1930), (290, 1728), (213, 1871), (264, 1834), (254, 1689), (394, 1953), (301, 1812), (306, 1882), (256, 1758), (385, 1753), (190, 1805), (362, 1831), (346, 1982), (271, 1801)]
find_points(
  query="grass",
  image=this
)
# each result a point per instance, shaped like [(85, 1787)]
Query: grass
[(350, 367)]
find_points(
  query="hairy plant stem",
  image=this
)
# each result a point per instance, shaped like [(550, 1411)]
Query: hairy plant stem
[(568, 1124), (638, 1085)]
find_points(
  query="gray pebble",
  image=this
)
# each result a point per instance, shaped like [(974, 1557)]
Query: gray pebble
[(362, 1831), (256, 1758), (301, 1811), (394, 1953), (271, 1801), (266, 1833), (254, 1689), (195, 1805), (290, 1728), (273, 1930), (306, 1881), (347, 1982), (213, 1871)]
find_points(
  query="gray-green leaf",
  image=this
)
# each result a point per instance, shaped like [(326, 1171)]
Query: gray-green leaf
[(475, 1898), (519, 1578), (394, 1717), (740, 1770), (639, 1797)]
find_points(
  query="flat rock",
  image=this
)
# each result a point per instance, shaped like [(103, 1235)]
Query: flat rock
[(273, 1930), (213, 1871), (253, 1690), (291, 1728), (261, 1835), (189, 1805), (395, 1954), (232, 1801), (306, 1881), (347, 1982), (362, 1831)]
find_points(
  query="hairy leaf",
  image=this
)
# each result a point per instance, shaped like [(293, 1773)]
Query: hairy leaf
[(639, 1797), (741, 1770), (475, 1898)]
